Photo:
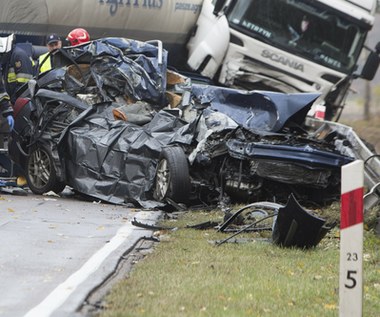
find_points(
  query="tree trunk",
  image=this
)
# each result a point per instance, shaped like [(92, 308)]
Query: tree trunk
[(367, 102)]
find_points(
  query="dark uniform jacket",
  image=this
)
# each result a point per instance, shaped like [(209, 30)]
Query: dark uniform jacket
[(19, 70)]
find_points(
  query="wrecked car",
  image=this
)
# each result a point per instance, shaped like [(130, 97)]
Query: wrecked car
[(112, 122)]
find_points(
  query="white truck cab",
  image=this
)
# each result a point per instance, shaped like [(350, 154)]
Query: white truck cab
[(283, 45)]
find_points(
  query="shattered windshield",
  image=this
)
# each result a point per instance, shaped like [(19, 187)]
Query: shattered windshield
[(305, 29)]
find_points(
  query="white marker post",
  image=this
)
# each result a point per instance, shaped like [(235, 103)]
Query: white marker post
[(351, 241)]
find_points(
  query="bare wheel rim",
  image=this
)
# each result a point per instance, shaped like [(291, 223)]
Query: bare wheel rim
[(39, 168), (162, 179)]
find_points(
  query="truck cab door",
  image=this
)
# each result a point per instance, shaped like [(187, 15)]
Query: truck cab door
[(209, 41)]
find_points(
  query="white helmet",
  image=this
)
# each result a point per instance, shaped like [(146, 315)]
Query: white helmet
[(6, 43)]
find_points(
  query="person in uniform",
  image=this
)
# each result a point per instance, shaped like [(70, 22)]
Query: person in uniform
[(18, 68), (53, 42), (6, 110)]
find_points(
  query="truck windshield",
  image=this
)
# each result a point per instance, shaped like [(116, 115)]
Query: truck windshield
[(303, 28)]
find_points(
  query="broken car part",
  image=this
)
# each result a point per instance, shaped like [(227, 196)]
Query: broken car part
[(297, 227)]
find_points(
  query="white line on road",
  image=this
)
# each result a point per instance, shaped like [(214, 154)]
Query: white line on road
[(62, 292)]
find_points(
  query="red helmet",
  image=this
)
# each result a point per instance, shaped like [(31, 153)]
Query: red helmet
[(78, 36)]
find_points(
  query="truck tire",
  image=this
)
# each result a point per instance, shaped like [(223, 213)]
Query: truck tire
[(172, 176), (40, 171)]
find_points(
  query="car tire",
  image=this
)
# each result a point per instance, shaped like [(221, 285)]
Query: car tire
[(41, 174), (172, 176)]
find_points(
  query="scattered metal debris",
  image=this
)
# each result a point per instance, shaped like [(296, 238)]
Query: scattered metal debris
[(245, 229), (149, 226), (293, 226), (200, 226), (255, 207)]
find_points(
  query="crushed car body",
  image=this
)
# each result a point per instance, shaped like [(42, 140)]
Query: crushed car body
[(112, 122)]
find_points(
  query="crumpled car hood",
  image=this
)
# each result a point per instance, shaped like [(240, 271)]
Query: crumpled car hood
[(254, 110)]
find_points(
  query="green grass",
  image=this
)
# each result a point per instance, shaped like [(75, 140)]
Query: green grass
[(187, 275), (367, 130)]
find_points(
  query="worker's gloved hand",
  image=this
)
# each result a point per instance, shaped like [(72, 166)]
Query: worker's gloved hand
[(11, 122)]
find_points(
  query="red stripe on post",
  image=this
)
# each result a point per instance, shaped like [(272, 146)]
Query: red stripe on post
[(352, 208)]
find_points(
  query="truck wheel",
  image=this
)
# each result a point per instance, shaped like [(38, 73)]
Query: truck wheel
[(172, 176), (40, 172)]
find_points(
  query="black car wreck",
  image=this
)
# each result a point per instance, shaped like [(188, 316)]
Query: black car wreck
[(112, 122)]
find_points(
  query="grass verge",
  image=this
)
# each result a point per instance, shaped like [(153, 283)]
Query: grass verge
[(187, 275), (367, 130)]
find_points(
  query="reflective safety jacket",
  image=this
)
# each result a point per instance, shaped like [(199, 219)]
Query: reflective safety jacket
[(5, 107), (44, 63), (19, 71)]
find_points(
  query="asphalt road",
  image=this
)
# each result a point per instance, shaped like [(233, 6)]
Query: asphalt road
[(55, 250)]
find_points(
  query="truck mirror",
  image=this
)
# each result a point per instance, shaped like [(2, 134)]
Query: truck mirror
[(372, 64), (218, 6)]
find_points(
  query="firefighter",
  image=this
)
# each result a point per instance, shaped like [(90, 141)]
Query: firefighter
[(18, 68), (6, 109), (78, 36), (53, 42)]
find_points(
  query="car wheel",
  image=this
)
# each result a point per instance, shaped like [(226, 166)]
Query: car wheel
[(172, 176), (40, 171)]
